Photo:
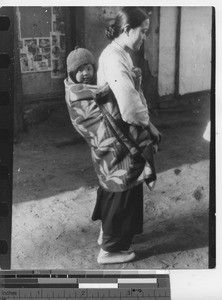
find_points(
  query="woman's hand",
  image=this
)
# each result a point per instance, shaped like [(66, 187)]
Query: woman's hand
[(155, 134), (137, 77)]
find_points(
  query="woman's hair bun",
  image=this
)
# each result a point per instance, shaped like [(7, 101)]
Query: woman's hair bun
[(110, 32)]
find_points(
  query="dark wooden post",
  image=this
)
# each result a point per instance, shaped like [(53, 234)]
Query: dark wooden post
[(177, 56), (18, 94), (75, 28)]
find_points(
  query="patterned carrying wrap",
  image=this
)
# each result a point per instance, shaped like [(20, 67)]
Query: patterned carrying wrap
[(122, 153)]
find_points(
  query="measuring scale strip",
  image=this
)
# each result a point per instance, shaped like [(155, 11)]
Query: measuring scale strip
[(67, 293), (106, 285)]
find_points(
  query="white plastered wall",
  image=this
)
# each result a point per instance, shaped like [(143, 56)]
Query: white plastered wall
[(167, 40), (195, 49)]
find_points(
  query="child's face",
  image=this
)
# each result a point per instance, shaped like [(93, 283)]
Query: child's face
[(85, 74)]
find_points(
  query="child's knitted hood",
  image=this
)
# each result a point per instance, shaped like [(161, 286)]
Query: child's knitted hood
[(79, 57)]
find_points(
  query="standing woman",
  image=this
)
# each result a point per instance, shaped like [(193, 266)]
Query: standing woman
[(121, 212)]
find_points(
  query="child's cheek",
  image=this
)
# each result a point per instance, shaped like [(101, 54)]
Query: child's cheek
[(79, 77)]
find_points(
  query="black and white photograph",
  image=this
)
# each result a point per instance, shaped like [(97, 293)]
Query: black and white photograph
[(111, 156)]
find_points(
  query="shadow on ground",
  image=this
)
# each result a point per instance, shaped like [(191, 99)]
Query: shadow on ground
[(51, 157)]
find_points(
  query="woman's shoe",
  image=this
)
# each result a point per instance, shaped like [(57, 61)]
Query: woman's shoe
[(106, 257), (100, 238)]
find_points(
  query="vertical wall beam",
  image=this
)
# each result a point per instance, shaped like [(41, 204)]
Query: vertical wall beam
[(75, 29), (212, 208), (18, 92), (177, 54)]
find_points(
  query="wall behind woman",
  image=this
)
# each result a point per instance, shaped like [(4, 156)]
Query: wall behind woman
[(194, 40), (160, 47), (42, 30), (167, 50), (96, 20), (42, 69), (195, 49), (41, 33)]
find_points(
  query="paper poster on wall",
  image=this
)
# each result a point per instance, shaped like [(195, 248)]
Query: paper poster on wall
[(58, 49), (58, 19), (58, 68), (35, 55), (58, 55), (41, 54), (45, 48)]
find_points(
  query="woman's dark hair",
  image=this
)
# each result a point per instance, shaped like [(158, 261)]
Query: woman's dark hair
[(134, 16)]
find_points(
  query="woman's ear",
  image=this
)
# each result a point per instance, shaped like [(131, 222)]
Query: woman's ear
[(126, 29)]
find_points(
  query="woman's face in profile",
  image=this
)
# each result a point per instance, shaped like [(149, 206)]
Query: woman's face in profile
[(138, 35)]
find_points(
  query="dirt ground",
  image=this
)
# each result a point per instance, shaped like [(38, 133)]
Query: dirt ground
[(54, 191)]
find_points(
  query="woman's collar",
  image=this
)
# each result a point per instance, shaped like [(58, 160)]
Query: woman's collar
[(119, 46)]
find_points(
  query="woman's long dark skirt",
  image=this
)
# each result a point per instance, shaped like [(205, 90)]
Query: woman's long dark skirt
[(121, 215)]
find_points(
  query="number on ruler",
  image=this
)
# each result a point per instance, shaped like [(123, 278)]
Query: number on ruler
[(137, 292), (81, 293)]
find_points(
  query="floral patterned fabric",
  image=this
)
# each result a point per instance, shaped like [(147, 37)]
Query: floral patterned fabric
[(118, 164)]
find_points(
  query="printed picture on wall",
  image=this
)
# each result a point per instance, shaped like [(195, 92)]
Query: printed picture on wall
[(56, 52), (44, 45), (27, 61), (24, 63), (41, 65), (58, 55), (55, 39), (58, 19), (58, 68), (30, 46), (35, 55), (45, 50), (62, 42)]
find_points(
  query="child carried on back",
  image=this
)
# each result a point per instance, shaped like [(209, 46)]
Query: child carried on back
[(79, 88), (111, 151)]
